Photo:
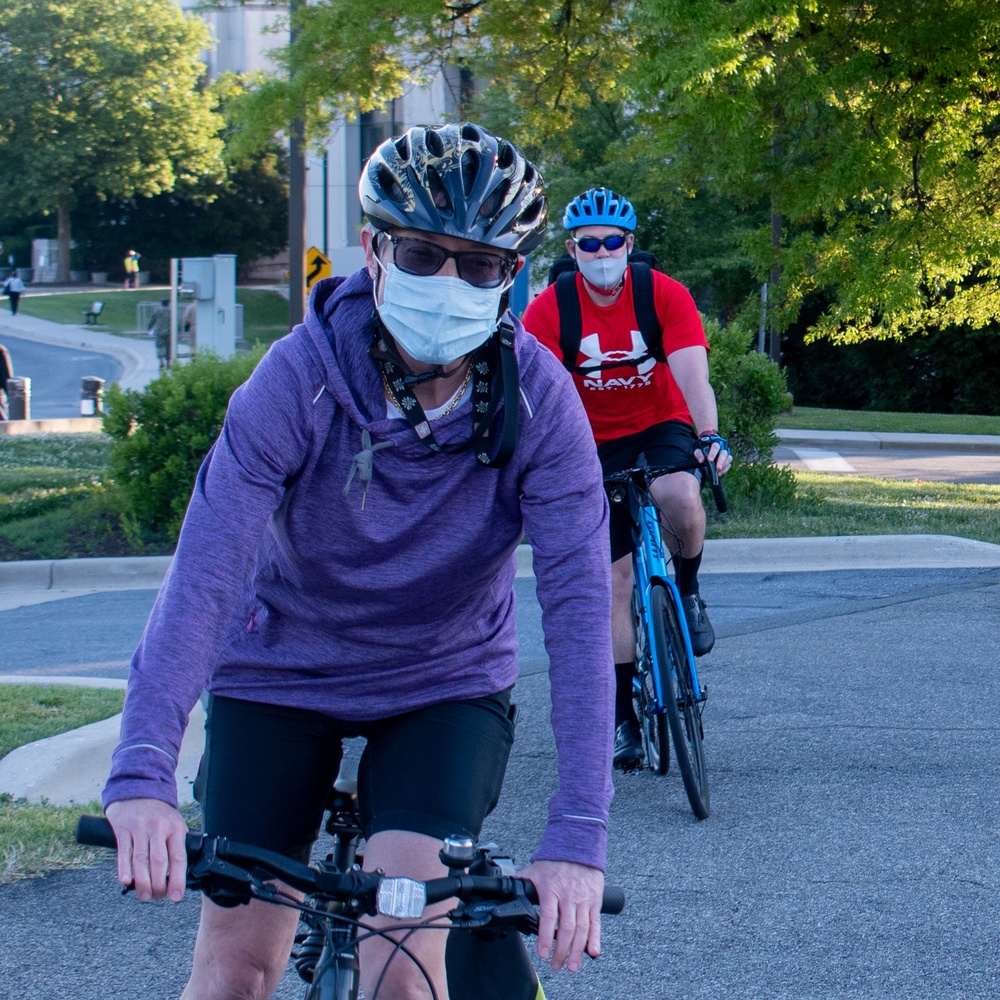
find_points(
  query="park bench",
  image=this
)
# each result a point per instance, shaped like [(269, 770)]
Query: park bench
[(95, 310)]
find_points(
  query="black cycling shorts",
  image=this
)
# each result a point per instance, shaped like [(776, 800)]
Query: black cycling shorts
[(668, 443), (267, 771)]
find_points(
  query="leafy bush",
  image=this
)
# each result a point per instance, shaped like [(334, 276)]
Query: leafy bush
[(161, 435), (750, 390)]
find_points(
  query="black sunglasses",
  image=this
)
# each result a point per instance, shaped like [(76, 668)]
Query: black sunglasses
[(478, 268), (591, 244)]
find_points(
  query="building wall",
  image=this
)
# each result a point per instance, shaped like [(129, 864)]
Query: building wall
[(333, 214)]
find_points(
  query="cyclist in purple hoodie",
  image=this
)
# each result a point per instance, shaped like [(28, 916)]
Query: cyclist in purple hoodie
[(346, 568)]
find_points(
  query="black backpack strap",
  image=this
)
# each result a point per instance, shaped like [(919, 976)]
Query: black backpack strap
[(570, 318), (645, 309), (571, 321)]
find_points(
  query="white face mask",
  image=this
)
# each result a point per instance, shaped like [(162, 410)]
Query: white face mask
[(437, 319), (603, 272)]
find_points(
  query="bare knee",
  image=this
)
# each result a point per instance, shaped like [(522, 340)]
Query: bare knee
[(403, 853), (240, 952), (621, 578), (679, 498)]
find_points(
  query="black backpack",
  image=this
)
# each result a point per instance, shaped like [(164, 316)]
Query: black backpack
[(562, 274)]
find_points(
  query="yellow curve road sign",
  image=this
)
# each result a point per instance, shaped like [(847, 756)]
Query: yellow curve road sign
[(317, 266)]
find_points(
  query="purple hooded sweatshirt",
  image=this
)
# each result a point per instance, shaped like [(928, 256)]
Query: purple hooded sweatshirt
[(296, 584)]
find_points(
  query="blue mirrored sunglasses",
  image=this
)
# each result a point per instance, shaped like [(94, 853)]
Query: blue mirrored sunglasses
[(591, 244)]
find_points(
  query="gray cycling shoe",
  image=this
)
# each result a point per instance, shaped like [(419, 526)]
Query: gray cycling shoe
[(700, 628)]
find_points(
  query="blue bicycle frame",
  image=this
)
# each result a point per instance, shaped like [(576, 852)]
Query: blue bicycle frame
[(650, 563)]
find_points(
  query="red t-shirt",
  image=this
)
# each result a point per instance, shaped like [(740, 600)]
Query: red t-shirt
[(626, 400)]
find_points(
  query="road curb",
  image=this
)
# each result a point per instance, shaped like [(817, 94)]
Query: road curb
[(965, 444), (109, 573)]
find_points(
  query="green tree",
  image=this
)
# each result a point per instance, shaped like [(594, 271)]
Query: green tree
[(244, 213), (552, 59), (100, 98), (871, 129)]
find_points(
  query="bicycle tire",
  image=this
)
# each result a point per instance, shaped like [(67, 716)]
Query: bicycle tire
[(655, 732), (683, 711)]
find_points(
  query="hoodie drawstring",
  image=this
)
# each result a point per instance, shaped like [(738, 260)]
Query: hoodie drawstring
[(363, 463)]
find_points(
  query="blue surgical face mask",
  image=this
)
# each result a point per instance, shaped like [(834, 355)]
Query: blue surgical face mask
[(437, 319)]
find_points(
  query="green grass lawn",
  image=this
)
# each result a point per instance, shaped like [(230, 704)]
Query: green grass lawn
[(55, 500), (265, 313), (816, 419), (38, 838), (834, 504)]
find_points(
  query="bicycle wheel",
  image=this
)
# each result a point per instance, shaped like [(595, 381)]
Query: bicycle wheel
[(683, 711), (655, 733)]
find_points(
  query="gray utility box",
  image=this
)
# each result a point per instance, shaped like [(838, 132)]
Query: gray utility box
[(211, 282)]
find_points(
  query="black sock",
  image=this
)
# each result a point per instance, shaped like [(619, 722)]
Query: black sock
[(687, 574), (624, 672)]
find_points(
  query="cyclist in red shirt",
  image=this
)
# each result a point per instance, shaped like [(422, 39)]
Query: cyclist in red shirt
[(639, 409)]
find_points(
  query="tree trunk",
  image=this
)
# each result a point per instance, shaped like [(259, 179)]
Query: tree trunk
[(65, 239)]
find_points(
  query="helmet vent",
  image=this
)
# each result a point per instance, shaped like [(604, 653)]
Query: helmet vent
[(470, 164), (491, 205), (530, 215), (439, 193), (387, 181), (403, 147), (505, 155), (434, 144)]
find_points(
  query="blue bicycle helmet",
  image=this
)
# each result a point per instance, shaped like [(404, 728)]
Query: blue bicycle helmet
[(599, 207), (457, 180)]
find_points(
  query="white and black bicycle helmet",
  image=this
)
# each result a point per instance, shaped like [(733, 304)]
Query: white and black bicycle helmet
[(599, 207), (456, 180)]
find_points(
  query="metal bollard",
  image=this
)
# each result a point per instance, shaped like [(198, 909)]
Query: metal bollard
[(19, 398), (92, 396)]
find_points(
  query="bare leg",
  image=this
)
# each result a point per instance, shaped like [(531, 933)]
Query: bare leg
[(241, 951), (679, 497), (622, 627)]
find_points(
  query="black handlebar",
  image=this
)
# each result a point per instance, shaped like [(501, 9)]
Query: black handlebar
[(643, 476), (220, 856)]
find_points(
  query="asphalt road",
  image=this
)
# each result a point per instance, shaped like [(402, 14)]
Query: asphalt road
[(930, 466), (56, 374), (852, 851)]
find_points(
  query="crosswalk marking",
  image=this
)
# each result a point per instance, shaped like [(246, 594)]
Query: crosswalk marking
[(821, 460)]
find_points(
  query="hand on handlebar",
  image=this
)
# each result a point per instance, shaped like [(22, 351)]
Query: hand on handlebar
[(569, 905), (151, 852), (712, 447)]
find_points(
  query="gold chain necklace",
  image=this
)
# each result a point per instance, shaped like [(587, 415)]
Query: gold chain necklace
[(456, 399)]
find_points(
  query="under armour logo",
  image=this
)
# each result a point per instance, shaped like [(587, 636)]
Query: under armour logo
[(591, 347)]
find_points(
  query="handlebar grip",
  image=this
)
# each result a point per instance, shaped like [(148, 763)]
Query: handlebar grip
[(614, 899), (721, 503), (718, 494), (95, 831)]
